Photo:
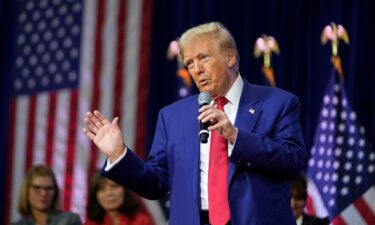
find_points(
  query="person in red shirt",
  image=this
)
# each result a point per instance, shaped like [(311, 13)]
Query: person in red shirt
[(111, 204)]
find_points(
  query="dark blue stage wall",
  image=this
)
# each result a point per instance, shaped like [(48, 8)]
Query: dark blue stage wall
[(302, 67)]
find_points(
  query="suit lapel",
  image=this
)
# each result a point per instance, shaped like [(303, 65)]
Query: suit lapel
[(247, 116), (191, 145)]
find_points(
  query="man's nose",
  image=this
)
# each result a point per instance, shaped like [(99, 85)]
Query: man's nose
[(197, 67)]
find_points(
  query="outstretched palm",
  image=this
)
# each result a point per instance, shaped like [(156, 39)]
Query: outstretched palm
[(106, 136)]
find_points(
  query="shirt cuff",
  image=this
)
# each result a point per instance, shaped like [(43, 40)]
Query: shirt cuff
[(230, 148), (110, 164)]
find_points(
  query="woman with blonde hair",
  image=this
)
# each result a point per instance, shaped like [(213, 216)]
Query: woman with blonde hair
[(38, 201)]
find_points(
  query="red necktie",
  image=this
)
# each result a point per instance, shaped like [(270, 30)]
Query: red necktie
[(218, 175)]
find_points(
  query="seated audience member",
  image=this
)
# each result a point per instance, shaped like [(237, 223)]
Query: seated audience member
[(112, 204), (298, 202), (38, 201)]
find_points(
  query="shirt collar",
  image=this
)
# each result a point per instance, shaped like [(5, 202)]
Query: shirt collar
[(234, 93), (299, 220)]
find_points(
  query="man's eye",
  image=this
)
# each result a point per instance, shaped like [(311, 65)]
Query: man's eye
[(205, 57)]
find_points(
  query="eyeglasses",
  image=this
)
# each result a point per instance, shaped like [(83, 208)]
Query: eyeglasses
[(39, 188)]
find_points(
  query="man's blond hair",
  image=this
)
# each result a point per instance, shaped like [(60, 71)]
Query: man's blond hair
[(219, 32)]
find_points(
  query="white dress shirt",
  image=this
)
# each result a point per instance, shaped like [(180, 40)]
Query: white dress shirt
[(299, 220), (233, 96)]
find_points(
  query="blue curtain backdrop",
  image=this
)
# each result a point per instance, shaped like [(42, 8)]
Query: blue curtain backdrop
[(302, 67)]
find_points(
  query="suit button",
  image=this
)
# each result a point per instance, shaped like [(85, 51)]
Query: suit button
[(248, 164)]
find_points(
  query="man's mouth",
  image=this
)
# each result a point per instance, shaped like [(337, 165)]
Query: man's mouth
[(203, 82)]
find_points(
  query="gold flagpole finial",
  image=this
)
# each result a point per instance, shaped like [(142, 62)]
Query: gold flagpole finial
[(264, 46), (334, 33)]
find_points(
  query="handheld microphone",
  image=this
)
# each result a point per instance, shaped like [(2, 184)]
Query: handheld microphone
[(203, 99)]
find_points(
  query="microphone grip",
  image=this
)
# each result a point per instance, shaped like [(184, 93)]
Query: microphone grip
[(203, 132), (203, 129)]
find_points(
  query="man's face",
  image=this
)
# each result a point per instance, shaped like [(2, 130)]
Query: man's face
[(209, 66)]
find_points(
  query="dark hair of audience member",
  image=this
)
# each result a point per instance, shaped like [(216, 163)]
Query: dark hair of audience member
[(298, 188), (96, 213)]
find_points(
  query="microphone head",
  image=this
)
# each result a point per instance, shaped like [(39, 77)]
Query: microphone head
[(204, 98)]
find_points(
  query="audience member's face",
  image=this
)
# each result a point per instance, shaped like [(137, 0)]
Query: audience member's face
[(110, 195), (208, 66), (41, 193), (297, 206)]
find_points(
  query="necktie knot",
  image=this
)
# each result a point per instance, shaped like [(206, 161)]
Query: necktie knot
[(221, 101)]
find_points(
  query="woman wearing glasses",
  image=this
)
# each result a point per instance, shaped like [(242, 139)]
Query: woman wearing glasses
[(38, 201)]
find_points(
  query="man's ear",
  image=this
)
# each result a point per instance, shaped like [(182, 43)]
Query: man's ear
[(231, 58)]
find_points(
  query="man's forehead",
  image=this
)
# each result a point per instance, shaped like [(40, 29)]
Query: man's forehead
[(198, 47)]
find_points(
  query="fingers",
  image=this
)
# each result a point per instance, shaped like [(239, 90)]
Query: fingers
[(217, 118), (210, 113), (115, 121), (94, 122), (100, 117), (89, 134), (93, 128)]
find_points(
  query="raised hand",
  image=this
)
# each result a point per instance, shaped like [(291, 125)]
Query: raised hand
[(106, 135)]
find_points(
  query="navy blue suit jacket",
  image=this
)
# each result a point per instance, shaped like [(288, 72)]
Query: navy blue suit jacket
[(269, 151)]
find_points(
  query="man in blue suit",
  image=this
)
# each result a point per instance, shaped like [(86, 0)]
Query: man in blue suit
[(259, 125)]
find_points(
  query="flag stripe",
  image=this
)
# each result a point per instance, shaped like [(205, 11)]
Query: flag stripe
[(60, 138), (108, 60), (120, 57), (69, 182), (143, 77), (130, 83), (339, 221), (352, 216), (369, 198), (41, 128), (30, 138), (365, 211), (50, 128), (319, 208)]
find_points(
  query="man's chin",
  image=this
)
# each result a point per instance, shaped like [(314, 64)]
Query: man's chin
[(205, 89)]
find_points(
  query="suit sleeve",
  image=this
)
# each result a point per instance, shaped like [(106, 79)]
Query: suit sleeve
[(150, 180), (280, 152)]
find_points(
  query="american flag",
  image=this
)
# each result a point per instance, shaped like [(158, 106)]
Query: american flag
[(73, 56), (342, 164)]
